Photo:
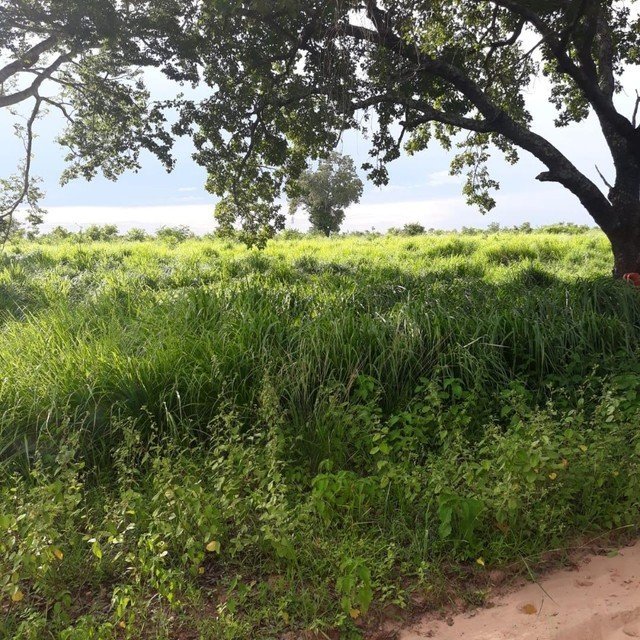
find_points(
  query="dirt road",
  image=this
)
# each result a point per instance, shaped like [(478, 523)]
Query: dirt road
[(599, 601)]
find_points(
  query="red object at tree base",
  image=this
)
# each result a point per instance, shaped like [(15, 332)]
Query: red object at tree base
[(632, 278)]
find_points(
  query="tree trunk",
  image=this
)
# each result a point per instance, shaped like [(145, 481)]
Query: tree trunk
[(625, 243), (623, 223), (623, 231)]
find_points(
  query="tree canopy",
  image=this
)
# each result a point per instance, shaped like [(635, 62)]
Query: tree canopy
[(84, 59), (287, 77), (326, 192)]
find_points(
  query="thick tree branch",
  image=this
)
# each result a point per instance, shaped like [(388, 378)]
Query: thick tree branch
[(605, 51), (32, 90), (28, 59), (560, 168), (584, 41)]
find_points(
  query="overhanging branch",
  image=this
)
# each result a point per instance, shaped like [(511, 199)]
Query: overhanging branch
[(427, 113), (32, 90), (496, 120), (28, 59)]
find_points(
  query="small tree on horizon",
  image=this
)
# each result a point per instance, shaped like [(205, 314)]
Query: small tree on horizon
[(326, 192)]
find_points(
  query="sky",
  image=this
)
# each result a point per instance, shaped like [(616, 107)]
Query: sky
[(420, 189)]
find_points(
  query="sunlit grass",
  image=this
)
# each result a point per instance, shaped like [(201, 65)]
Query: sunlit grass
[(345, 415)]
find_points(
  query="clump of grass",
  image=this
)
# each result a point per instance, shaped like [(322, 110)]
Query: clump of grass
[(201, 439)]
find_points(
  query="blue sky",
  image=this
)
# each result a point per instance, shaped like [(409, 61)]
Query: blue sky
[(420, 190)]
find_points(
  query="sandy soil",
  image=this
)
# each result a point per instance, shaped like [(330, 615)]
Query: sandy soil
[(598, 601)]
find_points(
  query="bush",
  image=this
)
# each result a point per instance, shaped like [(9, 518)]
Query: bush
[(174, 234), (566, 227), (102, 233), (58, 233), (136, 235), (413, 229)]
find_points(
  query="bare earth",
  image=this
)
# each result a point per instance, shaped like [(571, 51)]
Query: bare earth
[(599, 601)]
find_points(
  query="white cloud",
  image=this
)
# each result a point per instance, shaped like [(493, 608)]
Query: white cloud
[(513, 208), (197, 217), (442, 178), (442, 213)]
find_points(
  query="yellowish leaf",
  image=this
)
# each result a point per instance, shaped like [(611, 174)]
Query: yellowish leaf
[(354, 613), (553, 476), (529, 609), (200, 570), (583, 447), (96, 550), (480, 561), (214, 545), (17, 596), (122, 624), (58, 554)]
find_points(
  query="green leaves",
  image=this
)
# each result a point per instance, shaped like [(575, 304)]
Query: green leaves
[(96, 549), (326, 192), (354, 587), (459, 518), (114, 120)]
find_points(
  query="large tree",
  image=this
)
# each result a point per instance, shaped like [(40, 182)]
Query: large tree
[(326, 192), (287, 77)]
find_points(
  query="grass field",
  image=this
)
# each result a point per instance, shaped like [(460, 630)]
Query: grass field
[(204, 441)]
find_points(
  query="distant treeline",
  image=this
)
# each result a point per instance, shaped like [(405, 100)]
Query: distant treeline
[(180, 233), (416, 229)]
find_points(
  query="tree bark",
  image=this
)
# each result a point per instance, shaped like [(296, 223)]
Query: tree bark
[(622, 225), (625, 242)]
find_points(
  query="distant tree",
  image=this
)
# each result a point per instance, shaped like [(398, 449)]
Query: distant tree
[(413, 229), (136, 235), (174, 234), (326, 192), (97, 233), (59, 233), (291, 234), (525, 227), (566, 227)]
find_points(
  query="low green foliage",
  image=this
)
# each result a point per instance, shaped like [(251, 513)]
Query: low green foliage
[(205, 440)]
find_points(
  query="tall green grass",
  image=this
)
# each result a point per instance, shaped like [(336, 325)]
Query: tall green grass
[(345, 415)]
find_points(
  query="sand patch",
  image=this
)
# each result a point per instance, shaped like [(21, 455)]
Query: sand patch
[(598, 601)]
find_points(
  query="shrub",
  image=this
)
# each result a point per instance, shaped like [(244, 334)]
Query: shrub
[(174, 234)]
